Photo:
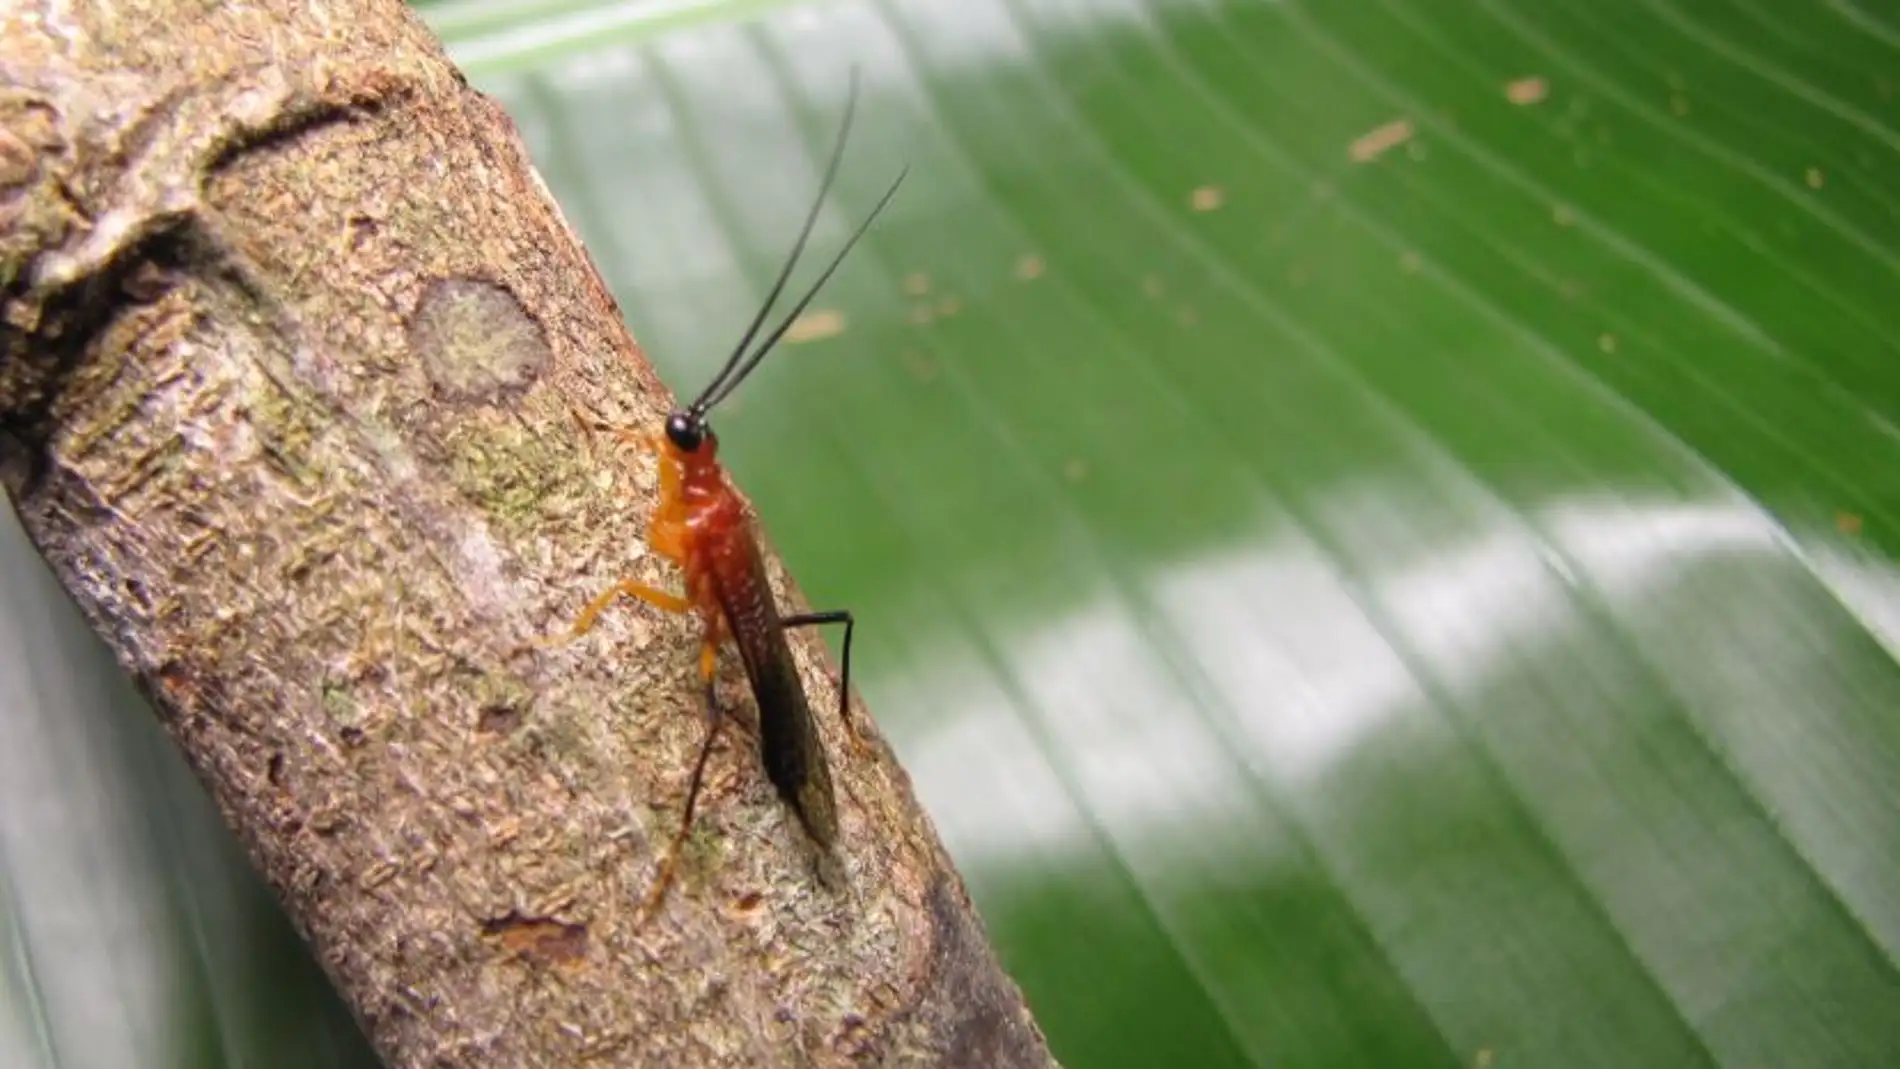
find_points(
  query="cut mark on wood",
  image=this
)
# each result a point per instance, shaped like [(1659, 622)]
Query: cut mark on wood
[(542, 940)]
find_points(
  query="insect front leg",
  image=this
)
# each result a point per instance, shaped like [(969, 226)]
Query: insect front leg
[(644, 440), (626, 588), (835, 616), (667, 533)]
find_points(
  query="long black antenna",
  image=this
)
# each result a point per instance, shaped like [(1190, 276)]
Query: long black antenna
[(713, 391), (705, 405)]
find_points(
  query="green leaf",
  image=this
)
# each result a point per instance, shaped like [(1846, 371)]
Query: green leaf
[(1371, 522)]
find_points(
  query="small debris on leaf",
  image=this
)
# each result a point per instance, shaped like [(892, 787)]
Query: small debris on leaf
[(1527, 91), (813, 326), (1377, 142)]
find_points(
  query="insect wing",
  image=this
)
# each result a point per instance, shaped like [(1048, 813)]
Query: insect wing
[(789, 746)]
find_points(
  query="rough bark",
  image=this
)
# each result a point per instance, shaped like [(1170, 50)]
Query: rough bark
[(292, 335)]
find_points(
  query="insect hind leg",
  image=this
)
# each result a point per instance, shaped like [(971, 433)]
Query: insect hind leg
[(669, 865), (715, 720), (835, 616)]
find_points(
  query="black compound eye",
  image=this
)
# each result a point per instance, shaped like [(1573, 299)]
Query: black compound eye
[(685, 431)]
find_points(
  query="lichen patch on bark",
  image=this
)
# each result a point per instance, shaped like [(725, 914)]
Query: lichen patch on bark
[(475, 339)]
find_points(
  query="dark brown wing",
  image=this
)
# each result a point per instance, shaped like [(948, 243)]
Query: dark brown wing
[(788, 740)]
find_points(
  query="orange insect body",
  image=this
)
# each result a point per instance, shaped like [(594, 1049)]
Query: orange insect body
[(702, 525)]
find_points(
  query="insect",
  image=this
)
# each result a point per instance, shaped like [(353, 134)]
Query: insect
[(701, 525)]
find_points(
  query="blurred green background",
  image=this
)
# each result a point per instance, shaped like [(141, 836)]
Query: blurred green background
[(1372, 522)]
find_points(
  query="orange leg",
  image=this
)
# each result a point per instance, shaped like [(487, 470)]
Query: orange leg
[(589, 616), (647, 441), (667, 532)]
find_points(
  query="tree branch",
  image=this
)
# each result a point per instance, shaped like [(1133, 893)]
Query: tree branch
[(291, 338)]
